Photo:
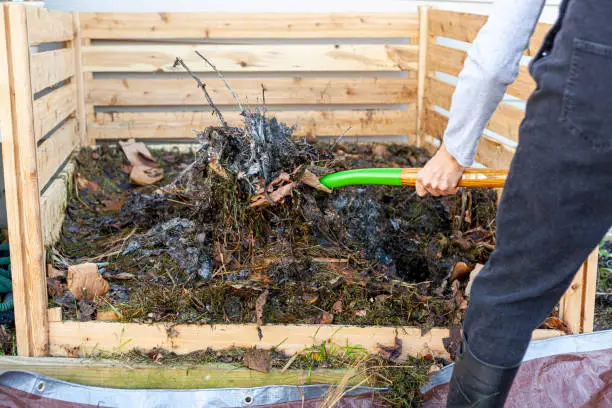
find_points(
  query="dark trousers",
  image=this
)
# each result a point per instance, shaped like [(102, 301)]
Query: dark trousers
[(557, 202)]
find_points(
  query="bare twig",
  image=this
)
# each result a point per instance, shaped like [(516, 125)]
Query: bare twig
[(201, 85), (223, 79), (331, 149)]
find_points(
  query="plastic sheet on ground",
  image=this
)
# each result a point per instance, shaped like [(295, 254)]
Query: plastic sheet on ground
[(20, 389), (562, 372)]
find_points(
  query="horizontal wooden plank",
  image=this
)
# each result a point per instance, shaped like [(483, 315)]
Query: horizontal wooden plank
[(490, 152), (450, 61), (183, 91), (250, 58), (48, 25), (247, 25), (53, 151), (52, 108), (70, 338), (181, 125), (53, 204), (465, 27), (50, 67), (130, 375), (505, 121)]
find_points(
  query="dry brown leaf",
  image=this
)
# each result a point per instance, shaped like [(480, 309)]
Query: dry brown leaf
[(391, 352), (460, 271), (462, 243), (84, 281), (337, 307), (259, 305), (55, 273), (557, 324), (325, 318), (309, 298), (89, 185), (473, 275), (260, 200), (380, 151), (258, 360), (107, 315), (114, 204), (145, 170), (119, 276), (361, 313), (311, 180), (55, 287)]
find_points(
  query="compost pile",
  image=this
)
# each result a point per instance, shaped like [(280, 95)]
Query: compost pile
[(242, 231)]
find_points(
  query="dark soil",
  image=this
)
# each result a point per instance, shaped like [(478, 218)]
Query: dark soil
[(193, 250)]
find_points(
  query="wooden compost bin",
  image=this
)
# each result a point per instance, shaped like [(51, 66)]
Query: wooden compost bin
[(383, 81)]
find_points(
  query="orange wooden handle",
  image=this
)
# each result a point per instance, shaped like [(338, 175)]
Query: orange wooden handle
[(488, 178)]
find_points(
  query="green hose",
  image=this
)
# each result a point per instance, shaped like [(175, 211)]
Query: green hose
[(7, 303), (386, 176)]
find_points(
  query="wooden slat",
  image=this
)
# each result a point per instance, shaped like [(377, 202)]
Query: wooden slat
[(50, 67), (450, 61), (52, 108), (180, 125), (506, 119), (54, 314), (48, 25), (422, 67), (591, 271), (21, 186), (69, 338), (53, 204), (79, 80), (247, 25), (490, 152), (54, 151), (465, 27), (251, 58), (185, 376), (183, 91)]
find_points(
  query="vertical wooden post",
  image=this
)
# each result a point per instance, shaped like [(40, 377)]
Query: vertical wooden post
[(577, 306), (422, 69), (81, 114), (22, 192)]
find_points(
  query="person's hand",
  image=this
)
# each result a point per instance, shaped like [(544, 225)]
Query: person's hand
[(440, 175)]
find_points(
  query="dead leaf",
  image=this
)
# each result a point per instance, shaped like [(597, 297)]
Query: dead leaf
[(84, 281), (86, 310), (125, 168), (556, 324), (55, 287), (275, 195), (361, 313), (145, 170), (216, 167), (380, 151), (89, 185), (473, 275), (382, 298), (259, 305), (258, 360), (325, 318), (391, 353), (119, 276), (114, 204), (107, 315), (462, 243), (460, 271), (309, 298), (337, 307), (55, 273), (311, 180)]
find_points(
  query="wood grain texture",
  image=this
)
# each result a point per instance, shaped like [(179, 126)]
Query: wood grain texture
[(490, 153), (248, 25), (591, 271), (48, 25), (50, 67), (450, 61), (54, 314), (484, 178), (279, 91), (505, 121), (79, 80), (53, 203), (21, 186), (129, 375), (577, 306), (422, 68), (52, 108), (181, 125), (465, 27), (69, 338), (54, 151), (251, 58)]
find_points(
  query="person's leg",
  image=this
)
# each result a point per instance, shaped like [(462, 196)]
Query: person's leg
[(554, 210)]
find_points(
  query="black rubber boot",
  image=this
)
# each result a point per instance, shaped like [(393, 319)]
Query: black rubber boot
[(476, 384)]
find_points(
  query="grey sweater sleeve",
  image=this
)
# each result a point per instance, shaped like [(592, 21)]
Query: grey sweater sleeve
[(491, 65)]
